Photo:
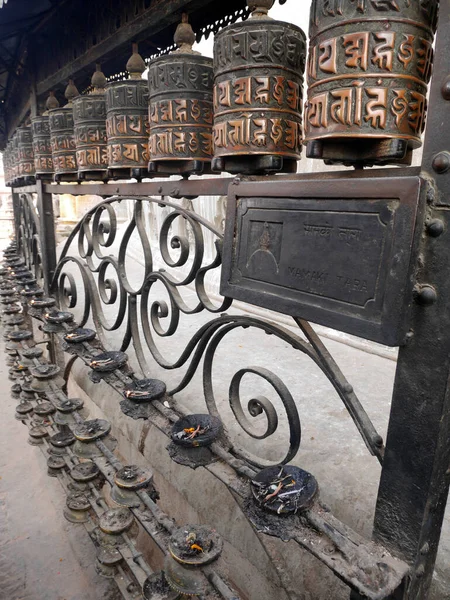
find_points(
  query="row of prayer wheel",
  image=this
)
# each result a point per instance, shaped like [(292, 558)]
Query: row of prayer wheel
[(368, 70)]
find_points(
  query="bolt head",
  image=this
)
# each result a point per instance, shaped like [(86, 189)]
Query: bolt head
[(441, 162), (435, 228), (446, 89), (426, 295)]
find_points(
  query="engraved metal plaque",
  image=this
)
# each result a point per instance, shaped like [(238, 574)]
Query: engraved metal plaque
[(337, 252)]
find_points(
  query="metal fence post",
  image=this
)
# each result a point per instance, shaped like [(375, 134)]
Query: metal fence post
[(416, 472), (16, 212), (48, 237)]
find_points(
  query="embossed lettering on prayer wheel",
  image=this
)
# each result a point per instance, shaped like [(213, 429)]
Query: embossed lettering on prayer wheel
[(127, 122), (259, 67), (25, 152), (62, 138), (89, 115), (369, 65), (63, 142), (40, 129), (43, 161), (7, 164), (14, 172), (181, 110)]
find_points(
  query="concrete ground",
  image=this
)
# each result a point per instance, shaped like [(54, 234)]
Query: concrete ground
[(42, 556)]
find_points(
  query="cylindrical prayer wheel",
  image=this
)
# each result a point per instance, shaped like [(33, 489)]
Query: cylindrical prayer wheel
[(181, 109), (369, 65), (89, 114), (7, 164), (40, 128), (62, 138), (13, 159), (259, 68), (127, 122), (25, 154)]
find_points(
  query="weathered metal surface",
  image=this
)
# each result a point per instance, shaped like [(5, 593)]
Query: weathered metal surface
[(116, 289), (47, 235), (127, 125), (62, 140), (89, 116), (415, 478), (181, 111), (258, 67), (43, 160), (368, 70), (7, 169), (25, 153), (340, 257), (215, 186)]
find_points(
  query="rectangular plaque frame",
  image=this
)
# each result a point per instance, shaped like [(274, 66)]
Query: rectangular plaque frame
[(338, 252)]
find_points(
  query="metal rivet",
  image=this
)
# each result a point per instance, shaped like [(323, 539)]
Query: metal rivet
[(446, 89), (435, 228), (348, 389), (425, 295), (425, 549), (420, 572), (441, 162), (378, 440)]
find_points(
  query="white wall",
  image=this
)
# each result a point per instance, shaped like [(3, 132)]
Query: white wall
[(294, 11)]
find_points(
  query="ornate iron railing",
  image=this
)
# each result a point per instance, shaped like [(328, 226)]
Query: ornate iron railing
[(96, 281), (29, 235)]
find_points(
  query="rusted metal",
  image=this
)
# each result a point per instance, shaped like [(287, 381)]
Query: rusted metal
[(89, 116), (62, 138), (127, 122), (181, 109), (368, 70), (7, 169), (258, 66), (40, 127), (306, 249), (25, 155)]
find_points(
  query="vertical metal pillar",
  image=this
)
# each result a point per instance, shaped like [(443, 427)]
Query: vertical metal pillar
[(47, 234), (16, 213), (416, 471)]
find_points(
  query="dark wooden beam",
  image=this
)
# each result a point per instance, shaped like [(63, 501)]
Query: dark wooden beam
[(161, 14)]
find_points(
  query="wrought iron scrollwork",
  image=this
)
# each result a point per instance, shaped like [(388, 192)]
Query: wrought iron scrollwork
[(29, 236), (178, 254)]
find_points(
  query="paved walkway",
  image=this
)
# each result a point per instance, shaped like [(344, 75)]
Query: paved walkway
[(42, 556)]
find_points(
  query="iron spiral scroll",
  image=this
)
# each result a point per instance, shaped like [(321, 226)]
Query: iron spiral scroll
[(29, 236), (92, 276)]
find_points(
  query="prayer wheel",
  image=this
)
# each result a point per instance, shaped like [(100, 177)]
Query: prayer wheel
[(89, 115), (7, 164), (14, 159), (25, 155), (368, 71), (127, 122), (259, 69), (62, 138), (40, 128), (181, 109)]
